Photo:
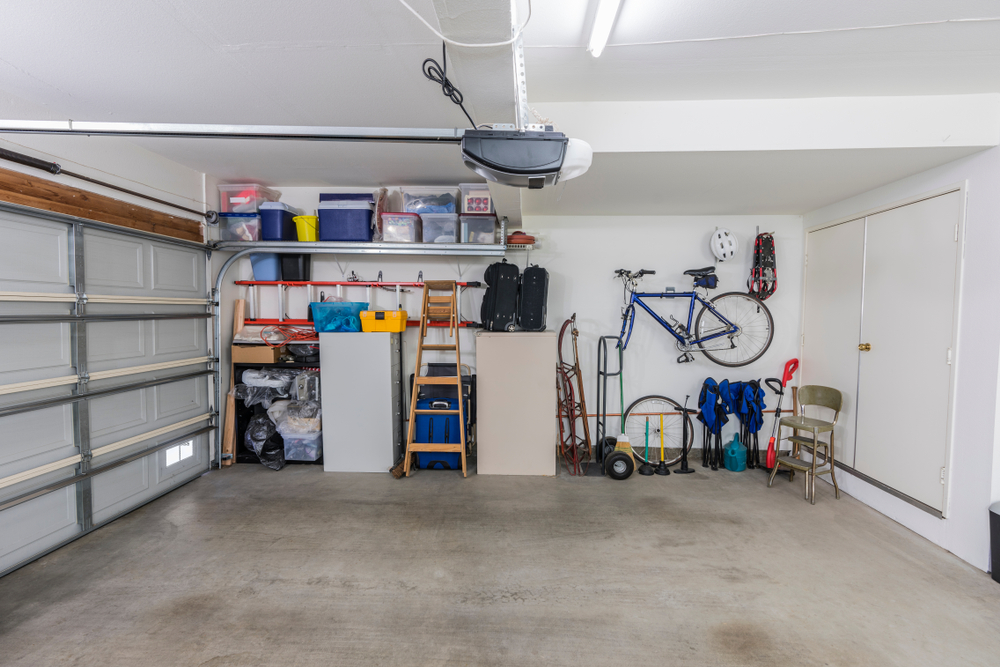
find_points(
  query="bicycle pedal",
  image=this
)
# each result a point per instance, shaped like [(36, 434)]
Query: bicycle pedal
[(685, 358)]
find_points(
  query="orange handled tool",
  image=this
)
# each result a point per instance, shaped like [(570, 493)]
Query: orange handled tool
[(779, 389)]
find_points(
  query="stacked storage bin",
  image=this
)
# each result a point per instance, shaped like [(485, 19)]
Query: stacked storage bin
[(240, 220)]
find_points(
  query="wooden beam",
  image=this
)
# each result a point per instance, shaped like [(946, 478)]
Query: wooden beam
[(27, 190)]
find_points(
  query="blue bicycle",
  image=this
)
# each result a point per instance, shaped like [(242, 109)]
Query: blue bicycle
[(733, 329)]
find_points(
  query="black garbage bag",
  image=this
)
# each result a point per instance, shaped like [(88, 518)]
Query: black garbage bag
[(260, 430)]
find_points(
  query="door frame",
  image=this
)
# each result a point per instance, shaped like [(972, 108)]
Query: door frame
[(956, 354)]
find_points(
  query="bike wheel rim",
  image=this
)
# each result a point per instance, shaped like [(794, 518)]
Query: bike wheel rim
[(673, 426), (747, 313)]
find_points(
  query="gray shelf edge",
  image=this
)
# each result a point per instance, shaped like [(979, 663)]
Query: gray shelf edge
[(332, 247)]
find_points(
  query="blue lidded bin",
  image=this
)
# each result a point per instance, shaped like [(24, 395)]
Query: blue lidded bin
[(276, 221), (345, 221), (337, 316), (266, 266)]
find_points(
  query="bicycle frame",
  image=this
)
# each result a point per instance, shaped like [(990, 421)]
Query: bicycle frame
[(637, 298)]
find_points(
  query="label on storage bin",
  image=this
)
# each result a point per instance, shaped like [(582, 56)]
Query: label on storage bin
[(239, 200)]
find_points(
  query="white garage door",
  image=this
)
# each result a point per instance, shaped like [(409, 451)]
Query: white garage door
[(104, 375)]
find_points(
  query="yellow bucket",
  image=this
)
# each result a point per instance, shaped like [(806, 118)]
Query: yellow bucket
[(307, 227)]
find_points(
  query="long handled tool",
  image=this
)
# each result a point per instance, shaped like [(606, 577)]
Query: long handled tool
[(790, 368), (645, 468)]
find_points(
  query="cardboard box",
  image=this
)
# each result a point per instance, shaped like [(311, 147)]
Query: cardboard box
[(256, 354)]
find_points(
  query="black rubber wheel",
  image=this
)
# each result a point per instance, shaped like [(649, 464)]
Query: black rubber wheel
[(619, 465), (609, 446), (756, 329)]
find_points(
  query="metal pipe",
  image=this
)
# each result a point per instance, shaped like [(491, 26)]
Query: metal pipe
[(353, 248), (225, 131)]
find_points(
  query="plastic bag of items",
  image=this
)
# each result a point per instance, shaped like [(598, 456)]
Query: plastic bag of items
[(258, 440), (252, 396), (300, 417), (276, 378), (306, 386)]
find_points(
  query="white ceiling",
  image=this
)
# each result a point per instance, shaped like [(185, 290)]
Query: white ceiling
[(736, 183), (350, 62), (917, 60)]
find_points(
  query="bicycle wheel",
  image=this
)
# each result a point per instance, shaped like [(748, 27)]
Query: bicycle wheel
[(755, 329), (652, 408)]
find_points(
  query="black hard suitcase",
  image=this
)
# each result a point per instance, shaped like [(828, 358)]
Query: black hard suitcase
[(531, 302), (499, 310)]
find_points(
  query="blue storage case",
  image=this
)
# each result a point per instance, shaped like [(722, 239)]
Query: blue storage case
[(347, 196), (276, 222), (345, 221), (266, 266), (439, 428), (337, 316)]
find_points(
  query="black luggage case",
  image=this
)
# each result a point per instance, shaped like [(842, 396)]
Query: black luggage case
[(499, 310), (531, 302)]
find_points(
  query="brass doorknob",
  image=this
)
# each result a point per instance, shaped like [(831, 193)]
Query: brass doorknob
[(865, 347)]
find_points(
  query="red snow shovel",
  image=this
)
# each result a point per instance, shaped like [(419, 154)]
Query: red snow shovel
[(779, 389)]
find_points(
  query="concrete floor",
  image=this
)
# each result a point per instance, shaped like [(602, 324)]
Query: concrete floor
[(253, 567)]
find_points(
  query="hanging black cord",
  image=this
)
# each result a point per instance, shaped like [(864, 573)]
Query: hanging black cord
[(438, 73)]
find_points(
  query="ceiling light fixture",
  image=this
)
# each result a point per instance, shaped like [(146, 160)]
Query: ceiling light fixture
[(604, 21)]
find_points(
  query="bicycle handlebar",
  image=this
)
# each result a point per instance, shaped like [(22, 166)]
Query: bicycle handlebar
[(638, 274)]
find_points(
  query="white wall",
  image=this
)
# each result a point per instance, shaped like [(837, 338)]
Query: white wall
[(974, 475), (581, 254)]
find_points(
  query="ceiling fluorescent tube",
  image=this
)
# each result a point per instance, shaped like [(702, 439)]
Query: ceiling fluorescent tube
[(604, 20)]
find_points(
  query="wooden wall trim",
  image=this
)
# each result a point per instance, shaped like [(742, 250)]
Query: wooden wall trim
[(27, 190)]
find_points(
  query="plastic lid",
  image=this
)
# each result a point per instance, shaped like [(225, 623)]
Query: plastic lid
[(280, 205), (240, 215), (408, 215), (440, 217), (347, 204), (347, 196)]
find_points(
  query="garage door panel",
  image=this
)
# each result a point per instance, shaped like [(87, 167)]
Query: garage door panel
[(120, 488), (176, 336), (188, 467), (33, 255), (118, 417), (37, 525), (177, 271), (32, 439), (34, 352), (180, 400), (113, 262), (115, 341)]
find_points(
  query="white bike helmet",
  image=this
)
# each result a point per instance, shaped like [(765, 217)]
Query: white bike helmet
[(724, 244)]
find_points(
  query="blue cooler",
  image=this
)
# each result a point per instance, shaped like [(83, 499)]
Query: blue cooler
[(276, 221), (439, 428), (345, 220), (266, 266)]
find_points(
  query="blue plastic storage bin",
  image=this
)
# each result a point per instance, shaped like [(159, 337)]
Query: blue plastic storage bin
[(345, 221), (439, 428), (276, 222), (266, 266), (337, 316), (347, 196)]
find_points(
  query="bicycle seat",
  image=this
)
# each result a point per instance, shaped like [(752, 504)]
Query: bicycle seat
[(698, 273)]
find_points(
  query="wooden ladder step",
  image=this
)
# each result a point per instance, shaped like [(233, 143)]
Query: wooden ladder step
[(435, 446), (424, 379), (436, 346), (436, 412), (439, 299)]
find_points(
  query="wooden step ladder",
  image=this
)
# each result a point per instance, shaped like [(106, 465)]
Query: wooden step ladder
[(437, 308)]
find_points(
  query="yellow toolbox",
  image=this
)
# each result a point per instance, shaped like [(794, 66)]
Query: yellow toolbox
[(383, 320)]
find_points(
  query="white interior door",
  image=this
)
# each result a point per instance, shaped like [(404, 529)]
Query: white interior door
[(831, 322), (904, 392)]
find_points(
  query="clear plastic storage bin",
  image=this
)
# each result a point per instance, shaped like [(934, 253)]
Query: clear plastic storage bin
[(401, 228), (337, 316), (239, 227), (479, 228), (430, 200), (244, 197), (476, 198), (440, 227), (303, 446)]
